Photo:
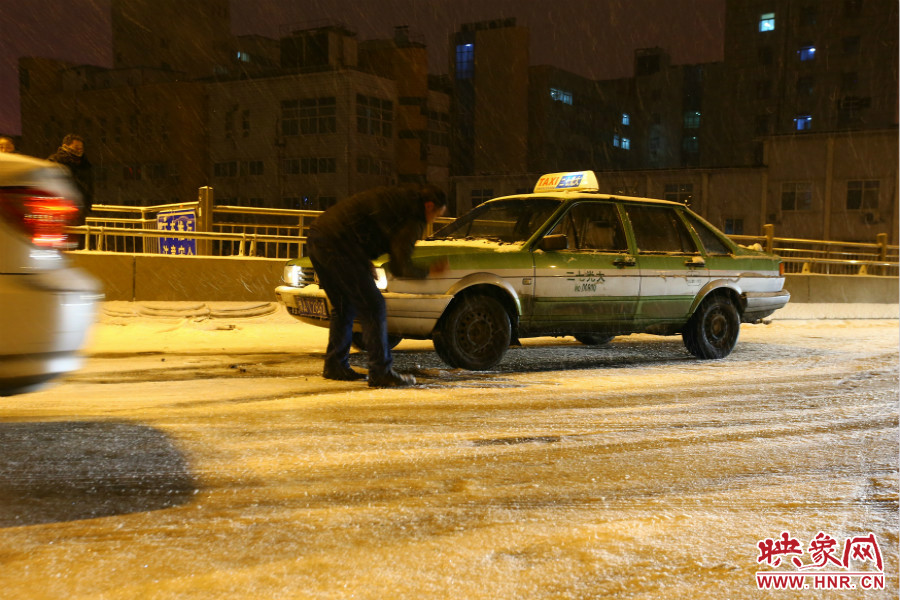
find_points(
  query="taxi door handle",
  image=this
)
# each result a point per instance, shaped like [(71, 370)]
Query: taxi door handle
[(695, 262), (624, 261)]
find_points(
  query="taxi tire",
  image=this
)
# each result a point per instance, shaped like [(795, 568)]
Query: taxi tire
[(713, 329), (474, 333), (594, 339), (356, 340)]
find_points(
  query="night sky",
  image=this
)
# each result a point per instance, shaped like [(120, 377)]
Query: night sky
[(594, 38)]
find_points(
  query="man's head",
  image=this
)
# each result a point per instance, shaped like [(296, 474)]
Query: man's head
[(434, 201), (6, 145), (74, 144)]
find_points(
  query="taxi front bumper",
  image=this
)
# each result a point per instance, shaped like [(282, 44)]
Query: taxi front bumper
[(408, 315)]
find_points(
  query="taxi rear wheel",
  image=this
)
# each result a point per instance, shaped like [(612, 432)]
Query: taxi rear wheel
[(712, 331), (594, 339), (474, 334)]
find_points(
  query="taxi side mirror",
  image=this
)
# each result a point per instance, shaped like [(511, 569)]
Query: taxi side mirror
[(555, 242)]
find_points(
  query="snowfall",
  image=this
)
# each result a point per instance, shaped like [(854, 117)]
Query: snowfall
[(199, 454)]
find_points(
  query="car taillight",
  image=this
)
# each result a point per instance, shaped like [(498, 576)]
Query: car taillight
[(40, 215), (781, 269)]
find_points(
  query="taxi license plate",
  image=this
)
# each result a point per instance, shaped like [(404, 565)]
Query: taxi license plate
[(310, 307)]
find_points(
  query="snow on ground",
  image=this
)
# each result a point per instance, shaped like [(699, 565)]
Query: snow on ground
[(201, 455)]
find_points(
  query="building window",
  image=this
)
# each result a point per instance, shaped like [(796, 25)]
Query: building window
[(850, 45), (626, 143), (767, 22), (626, 119), (692, 119), (368, 165), (805, 86), (252, 167), (796, 196), (317, 115), (243, 57), (438, 129), (852, 108), (132, 172), (765, 56), (225, 169), (803, 122), (807, 52), (849, 81), (374, 116), (852, 8), (245, 123), (465, 61), (314, 166), (734, 226), (617, 141), (679, 192), (809, 15), (290, 117), (690, 144), (479, 196), (290, 166), (561, 96), (863, 195)]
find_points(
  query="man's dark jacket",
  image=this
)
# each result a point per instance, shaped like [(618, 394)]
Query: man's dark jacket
[(80, 168), (375, 222)]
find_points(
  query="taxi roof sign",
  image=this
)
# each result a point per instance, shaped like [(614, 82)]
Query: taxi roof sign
[(574, 181)]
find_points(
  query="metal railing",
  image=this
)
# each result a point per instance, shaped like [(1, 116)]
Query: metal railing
[(281, 233)]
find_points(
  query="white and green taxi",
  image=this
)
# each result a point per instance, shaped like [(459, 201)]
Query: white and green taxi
[(567, 261)]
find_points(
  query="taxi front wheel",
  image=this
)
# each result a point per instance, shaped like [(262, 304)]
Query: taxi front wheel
[(474, 334), (713, 329)]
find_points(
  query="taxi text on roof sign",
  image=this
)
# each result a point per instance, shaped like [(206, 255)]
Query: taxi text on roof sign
[(575, 181)]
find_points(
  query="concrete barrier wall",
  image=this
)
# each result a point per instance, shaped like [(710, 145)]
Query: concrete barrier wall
[(156, 277), (837, 289)]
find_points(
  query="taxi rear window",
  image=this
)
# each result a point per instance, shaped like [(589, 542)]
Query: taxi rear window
[(510, 220), (658, 230)]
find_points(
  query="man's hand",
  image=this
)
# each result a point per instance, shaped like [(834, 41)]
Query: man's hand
[(438, 267)]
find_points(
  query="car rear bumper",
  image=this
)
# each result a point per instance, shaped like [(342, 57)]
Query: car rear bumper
[(44, 322), (759, 305)]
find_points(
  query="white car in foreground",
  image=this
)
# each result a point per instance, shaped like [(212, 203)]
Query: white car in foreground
[(46, 307)]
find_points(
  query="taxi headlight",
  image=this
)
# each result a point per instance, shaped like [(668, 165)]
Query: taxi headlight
[(381, 281), (293, 275)]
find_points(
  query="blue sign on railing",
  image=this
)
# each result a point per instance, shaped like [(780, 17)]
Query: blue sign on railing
[(177, 220)]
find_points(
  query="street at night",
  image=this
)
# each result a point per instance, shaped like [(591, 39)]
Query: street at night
[(197, 457)]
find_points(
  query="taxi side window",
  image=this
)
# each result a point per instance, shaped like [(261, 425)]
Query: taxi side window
[(711, 242), (593, 226), (658, 230)]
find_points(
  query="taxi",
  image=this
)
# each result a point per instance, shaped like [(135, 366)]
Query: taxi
[(567, 260)]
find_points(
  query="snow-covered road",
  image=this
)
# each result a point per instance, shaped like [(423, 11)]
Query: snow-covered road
[(201, 456)]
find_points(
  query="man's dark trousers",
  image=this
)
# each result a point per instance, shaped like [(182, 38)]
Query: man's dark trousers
[(347, 280)]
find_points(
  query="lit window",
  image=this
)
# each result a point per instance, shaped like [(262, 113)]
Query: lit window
[(617, 141), (734, 226), (626, 119), (465, 61), (561, 96), (626, 143), (692, 119), (767, 22), (243, 57), (803, 122), (807, 52)]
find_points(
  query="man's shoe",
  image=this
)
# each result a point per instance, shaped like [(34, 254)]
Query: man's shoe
[(342, 374), (391, 379)]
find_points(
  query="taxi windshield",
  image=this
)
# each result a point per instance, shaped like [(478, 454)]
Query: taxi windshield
[(511, 220)]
